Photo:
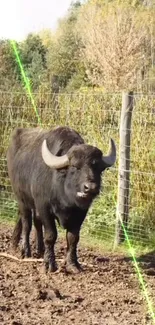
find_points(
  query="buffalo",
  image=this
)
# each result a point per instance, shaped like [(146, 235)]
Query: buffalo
[(55, 176)]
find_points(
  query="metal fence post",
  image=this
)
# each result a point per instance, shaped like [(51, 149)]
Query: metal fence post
[(124, 167)]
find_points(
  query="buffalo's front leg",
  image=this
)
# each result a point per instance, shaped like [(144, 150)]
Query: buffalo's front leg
[(72, 264), (50, 238)]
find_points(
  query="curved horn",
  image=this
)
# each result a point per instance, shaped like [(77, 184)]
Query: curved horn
[(51, 160), (110, 159)]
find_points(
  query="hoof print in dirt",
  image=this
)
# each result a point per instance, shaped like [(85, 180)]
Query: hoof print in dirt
[(49, 295), (150, 272)]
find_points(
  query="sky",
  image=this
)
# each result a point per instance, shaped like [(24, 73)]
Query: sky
[(20, 17)]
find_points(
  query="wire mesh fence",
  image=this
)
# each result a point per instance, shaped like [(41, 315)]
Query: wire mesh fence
[(96, 116)]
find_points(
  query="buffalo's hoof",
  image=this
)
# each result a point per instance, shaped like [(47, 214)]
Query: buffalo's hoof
[(73, 268), (50, 267), (40, 250), (39, 253), (25, 253)]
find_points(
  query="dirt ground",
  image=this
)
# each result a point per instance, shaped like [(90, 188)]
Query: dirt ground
[(107, 292)]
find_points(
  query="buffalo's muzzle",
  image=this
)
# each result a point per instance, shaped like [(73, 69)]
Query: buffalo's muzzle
[(90, 188)]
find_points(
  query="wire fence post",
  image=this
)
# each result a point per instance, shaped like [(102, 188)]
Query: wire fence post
[(124, 167)]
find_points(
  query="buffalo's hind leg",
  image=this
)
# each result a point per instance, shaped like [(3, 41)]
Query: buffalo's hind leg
[(39, 235), (72, 264), (26, 218), (17, 233)]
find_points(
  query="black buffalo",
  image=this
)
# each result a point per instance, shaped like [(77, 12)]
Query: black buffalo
[(57, 176)]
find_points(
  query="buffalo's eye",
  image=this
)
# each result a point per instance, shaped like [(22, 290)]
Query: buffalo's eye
[(95, 163), (74, 168)]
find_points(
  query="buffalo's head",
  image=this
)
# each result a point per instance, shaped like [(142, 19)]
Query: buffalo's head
[(84, 165)]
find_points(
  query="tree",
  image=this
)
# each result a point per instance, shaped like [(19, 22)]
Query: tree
[(46, 37), (33, 56), (63, 56), (9, 70), (116, 40)]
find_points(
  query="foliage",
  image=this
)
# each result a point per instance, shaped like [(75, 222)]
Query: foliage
[(115, 43), (33, 57), (46, 37), (9, 71), (63, 55), (97, 43)]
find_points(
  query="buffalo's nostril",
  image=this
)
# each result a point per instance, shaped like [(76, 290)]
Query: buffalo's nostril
[(89, 188), (86, 187)]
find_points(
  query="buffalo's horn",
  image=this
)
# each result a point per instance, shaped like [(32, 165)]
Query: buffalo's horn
[(110, 159), (51, 160)]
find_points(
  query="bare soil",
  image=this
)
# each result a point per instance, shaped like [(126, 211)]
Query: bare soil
[(107, 292)]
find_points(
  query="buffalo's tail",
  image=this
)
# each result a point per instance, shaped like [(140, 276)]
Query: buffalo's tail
[(17, 233)]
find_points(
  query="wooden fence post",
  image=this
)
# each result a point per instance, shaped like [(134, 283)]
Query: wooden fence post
[(124, 167)]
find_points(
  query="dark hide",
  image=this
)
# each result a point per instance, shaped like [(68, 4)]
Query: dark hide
[(51, 194)]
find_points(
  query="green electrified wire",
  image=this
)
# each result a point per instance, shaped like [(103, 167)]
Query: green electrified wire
[(26, 80), (139, 274)]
